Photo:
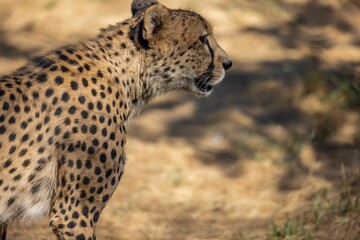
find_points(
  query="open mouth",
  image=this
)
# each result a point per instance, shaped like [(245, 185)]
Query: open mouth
[(202, 83), (205, 88)]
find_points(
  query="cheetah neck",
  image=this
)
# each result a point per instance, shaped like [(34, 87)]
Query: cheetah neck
[(122, 64), (127, 67)]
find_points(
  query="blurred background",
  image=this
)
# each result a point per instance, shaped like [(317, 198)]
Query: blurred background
[(274, 153)]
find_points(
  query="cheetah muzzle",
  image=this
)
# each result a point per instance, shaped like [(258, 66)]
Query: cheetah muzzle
[(64, 116)]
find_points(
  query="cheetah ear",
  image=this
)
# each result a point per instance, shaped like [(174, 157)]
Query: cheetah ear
[(138, 6), (155, 18)]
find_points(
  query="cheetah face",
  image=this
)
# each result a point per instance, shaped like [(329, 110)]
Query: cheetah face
[(208, 65), (191, 59)]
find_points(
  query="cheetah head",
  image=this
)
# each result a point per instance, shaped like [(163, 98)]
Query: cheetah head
[(185, 54)]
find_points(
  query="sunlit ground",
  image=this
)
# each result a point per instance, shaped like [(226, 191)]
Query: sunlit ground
[(274, 153)]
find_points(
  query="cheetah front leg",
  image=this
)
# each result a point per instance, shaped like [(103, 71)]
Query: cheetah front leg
[(84, 187), (3, 229), (66, 230)]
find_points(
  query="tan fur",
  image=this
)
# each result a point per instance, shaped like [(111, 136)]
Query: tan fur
[(64, 115)]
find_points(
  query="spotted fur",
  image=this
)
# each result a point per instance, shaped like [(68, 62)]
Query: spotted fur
[(64, 116)]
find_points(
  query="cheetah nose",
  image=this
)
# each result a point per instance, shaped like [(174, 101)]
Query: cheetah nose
[(227, 64)]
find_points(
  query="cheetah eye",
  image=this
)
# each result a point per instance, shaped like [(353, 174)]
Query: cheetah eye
[(203, 39)]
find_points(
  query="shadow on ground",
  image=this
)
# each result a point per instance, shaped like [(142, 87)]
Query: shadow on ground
[(259, 113)]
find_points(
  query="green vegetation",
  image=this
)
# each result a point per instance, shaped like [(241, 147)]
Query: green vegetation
[(324, 209), (292, 229)]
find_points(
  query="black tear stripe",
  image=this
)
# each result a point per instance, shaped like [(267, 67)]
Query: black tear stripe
[(207, 76), (211, 65)]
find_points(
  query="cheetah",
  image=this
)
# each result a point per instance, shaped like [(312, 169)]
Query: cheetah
[(64, 116)]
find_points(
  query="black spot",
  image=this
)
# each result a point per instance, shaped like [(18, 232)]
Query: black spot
[(26, 163), (74, 85), (108, 108), (58, 111), (100, 190), (84, 129), (91, 150), (63, 57), (55, 101), (57, 130), (65, 97), (102, 158), (11, 201), (41, 150), (64, 69), (86, 66), (84, 114), (113, 154), (85, 211), (96, 216), (95, 142), (90, 106), (75, 215), (67, 121), (72, 110), (49, 92), (7, 163), (54, 68), (35, 188), (85, 82), (12, 137), (59, 80), (43, 107), (25, 138), (81, 236), (28, 84), (5, 106), (70, 50), (31, 177), (12, 120), (42, 78), (104, 132), (46, 120), (108, 173), (91, 199), (71, 224), (105, 198), (73, 62), (97, 171), (22, 152), (86, 180), (113, 181), (79, 164), (88, 164), (81, 99), (93, 129), (12, 150), (99, 105), (39, 138), (24, 125), (35, 95)]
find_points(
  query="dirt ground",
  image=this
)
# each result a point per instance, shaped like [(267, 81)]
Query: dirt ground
[(274, 153)]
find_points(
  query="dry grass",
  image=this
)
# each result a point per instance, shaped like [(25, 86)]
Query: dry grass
[(273, 154)]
